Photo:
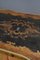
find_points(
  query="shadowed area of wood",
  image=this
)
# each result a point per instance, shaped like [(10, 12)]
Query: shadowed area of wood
[(22, 31)]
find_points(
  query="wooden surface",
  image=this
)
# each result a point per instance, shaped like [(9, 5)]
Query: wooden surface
[(20, 33)]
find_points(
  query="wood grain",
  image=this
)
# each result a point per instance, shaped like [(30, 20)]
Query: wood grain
[(20, 32)]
